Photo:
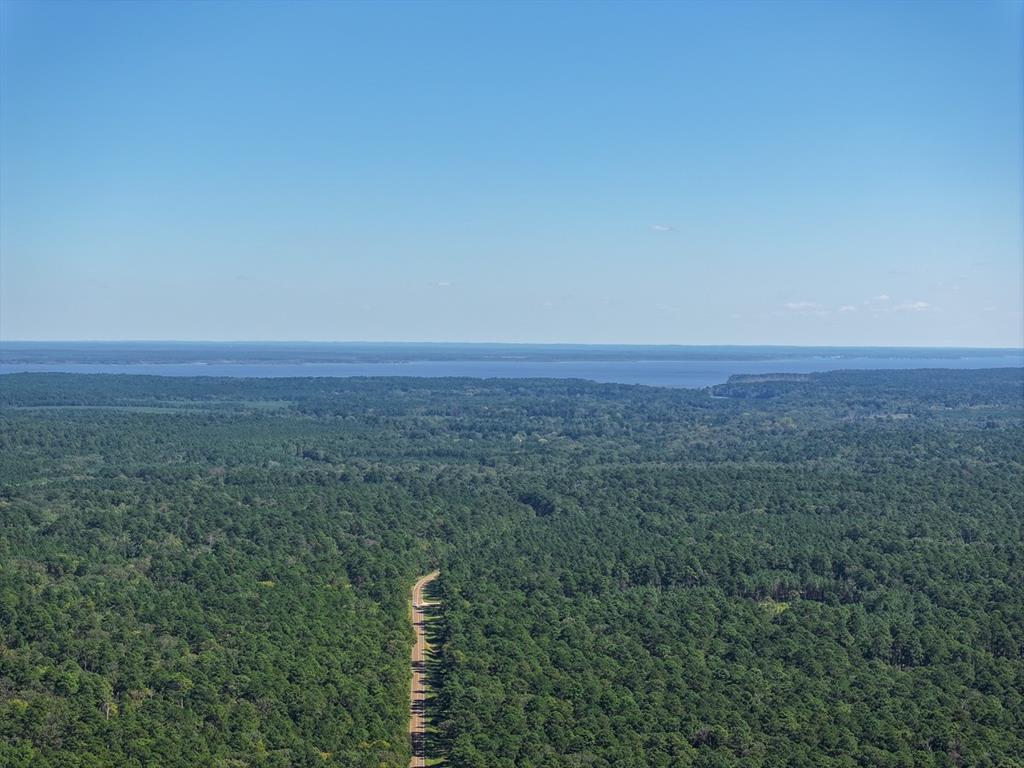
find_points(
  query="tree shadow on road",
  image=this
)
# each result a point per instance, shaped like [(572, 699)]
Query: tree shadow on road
[(434, 744)]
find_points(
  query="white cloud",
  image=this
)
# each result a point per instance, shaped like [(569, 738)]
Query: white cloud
[(662, 228), (806, 308), (913, 306), (442, 284), (879, 303), (882, 303), (847, 308)]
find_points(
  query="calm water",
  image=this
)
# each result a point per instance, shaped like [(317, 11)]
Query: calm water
[(664, 373)]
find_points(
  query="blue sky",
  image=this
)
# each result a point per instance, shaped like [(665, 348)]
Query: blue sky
[(810, 173)]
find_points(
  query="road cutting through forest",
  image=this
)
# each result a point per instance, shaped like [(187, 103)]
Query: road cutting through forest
[(418, 690)]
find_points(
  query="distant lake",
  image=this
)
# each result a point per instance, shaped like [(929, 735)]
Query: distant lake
[(662, 373)]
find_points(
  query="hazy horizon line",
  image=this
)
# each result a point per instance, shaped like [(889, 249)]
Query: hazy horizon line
[(508, 343)]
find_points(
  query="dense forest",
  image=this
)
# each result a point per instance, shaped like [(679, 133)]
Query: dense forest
[(792, 570)]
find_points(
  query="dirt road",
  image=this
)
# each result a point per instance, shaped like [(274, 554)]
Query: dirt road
[(418, 692)]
